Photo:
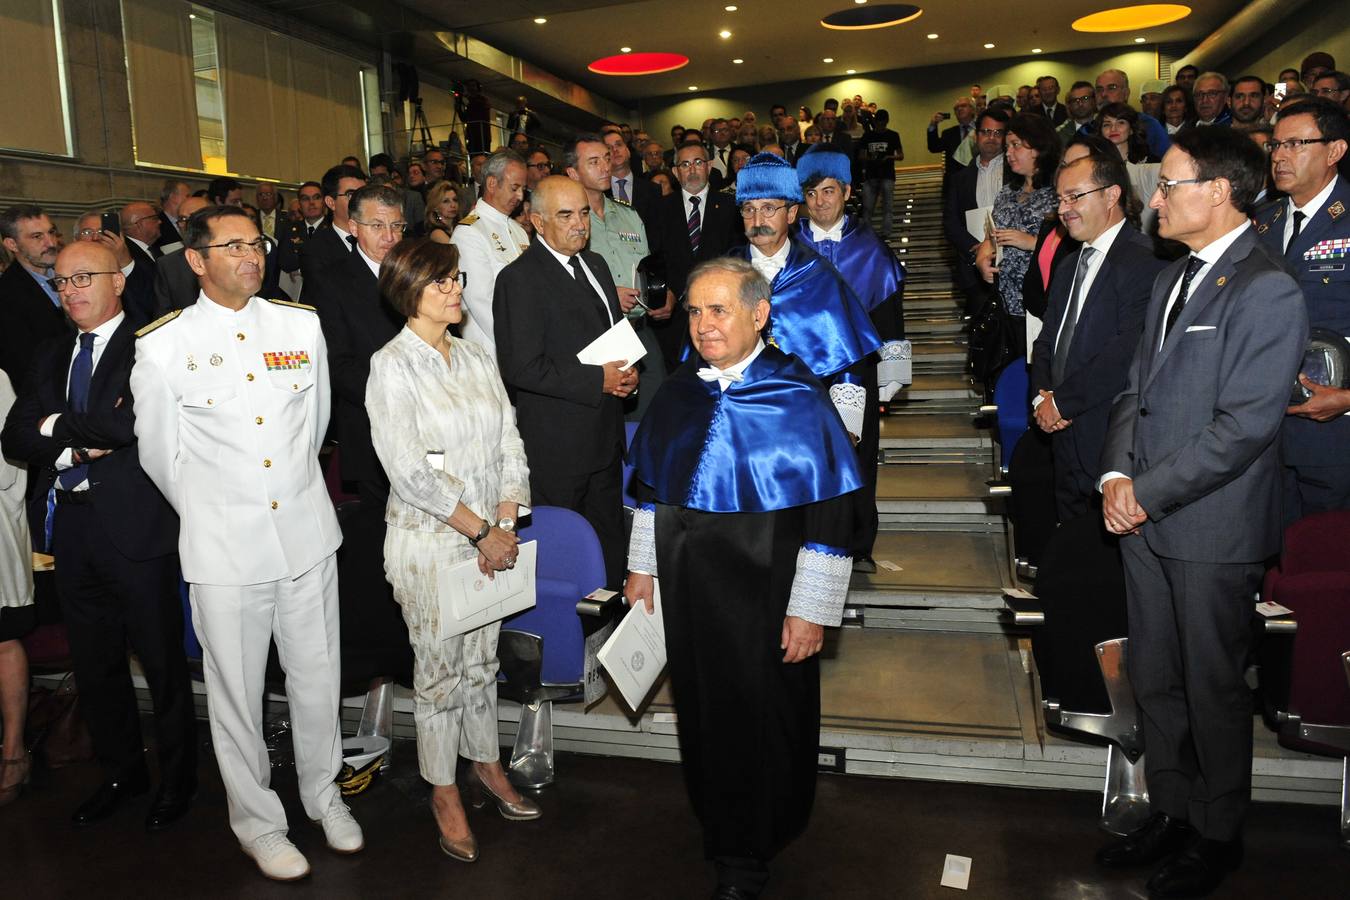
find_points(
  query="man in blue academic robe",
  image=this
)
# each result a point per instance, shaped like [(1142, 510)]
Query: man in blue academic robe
[(745, 476)]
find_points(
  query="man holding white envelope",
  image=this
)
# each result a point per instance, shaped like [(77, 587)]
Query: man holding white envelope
[(747, 482), (549, 306)]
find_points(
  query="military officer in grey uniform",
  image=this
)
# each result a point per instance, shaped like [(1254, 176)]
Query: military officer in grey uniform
[(618, 235), (1309, 229), (488, 238), (232, 403)]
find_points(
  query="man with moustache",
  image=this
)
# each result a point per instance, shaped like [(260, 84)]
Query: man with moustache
[(232, 403), (489, 239), (1248, 102), (549, 304)]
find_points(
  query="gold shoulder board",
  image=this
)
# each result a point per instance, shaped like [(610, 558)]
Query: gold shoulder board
[(469, 219), (291, 303), (162, 320)]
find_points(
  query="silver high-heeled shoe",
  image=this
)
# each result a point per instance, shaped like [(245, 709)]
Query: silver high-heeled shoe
[(464, 849), (523, 811)]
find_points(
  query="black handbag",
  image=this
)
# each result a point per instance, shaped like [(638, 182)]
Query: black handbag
[(991, 343)]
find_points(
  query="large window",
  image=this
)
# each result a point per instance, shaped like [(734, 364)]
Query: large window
[(206, 88), (33, 48)]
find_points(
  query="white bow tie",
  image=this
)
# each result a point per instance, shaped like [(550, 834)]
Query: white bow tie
[(711, 373)]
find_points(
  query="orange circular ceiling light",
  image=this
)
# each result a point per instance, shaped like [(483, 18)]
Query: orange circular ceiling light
[(1132, 18), (638, 64)]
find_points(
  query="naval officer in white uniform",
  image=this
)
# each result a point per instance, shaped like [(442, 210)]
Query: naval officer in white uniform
[(232, 402), (488, 238)]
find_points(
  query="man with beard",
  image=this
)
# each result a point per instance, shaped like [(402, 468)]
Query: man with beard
[(30, 308)]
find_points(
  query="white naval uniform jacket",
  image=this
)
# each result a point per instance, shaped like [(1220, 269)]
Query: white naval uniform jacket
[(487, 242), (231, 409)]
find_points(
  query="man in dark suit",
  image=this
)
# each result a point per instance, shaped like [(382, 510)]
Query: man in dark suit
[(952, 137), (828, 123), (692, 224), (114, 536), (1092, 324), (638, 193), (293, 234), (356, 322), (30, 310), (549, 304), (1193, 484), (1047, 87), (974, 187), (333, 241), (1309, 229), (171, 197), (791, 137)]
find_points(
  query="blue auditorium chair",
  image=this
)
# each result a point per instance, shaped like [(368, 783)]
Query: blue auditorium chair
[(1014, 408), (541, 650)]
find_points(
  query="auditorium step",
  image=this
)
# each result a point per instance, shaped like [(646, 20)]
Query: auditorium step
[(938, 437), (917, 495)]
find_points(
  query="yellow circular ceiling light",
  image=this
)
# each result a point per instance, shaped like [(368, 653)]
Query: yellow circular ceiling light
[(1132, 18)]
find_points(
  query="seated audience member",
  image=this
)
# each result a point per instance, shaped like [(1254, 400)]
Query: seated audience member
[(1093, 321), (431, 389), (1178, 112), (1122, 126), (1307, 229), (115, 537), (712, 530), (1191, 481), (1027, 199), (1082, 106), (1247, 102), (442, 212), (1211, 100), (975, 187), (1151, 98), (955, 142), (1113, 86)]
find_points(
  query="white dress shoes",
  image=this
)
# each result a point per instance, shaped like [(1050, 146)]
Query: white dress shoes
[(277, 857), (343, 833)]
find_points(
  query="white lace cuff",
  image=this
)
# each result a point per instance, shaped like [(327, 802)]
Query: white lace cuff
[(820, 585), (896, 368), (642, 542), (851, 401)]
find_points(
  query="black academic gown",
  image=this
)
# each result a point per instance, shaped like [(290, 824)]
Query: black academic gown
[(726, 578)]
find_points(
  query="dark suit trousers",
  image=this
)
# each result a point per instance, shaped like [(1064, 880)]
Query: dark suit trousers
[(108, 601), (1190, 636), (1075, 488), (598, 497)]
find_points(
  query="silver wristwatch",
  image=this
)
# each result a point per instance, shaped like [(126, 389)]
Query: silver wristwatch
[(507, 524)]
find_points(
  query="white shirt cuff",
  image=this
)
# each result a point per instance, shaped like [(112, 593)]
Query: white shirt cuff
[(48, 425), (1110, 476)]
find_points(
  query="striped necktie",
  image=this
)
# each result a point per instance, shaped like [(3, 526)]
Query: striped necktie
[(695, 225)]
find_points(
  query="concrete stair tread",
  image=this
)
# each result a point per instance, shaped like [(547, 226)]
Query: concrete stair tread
[(898, 431), (937, 387), (936, 569), (920, 482)]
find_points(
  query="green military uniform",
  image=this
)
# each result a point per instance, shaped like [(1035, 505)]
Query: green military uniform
[(620, 237)]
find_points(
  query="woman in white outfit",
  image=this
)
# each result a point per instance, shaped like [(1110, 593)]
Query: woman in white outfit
[(430, 391), (18, 616)]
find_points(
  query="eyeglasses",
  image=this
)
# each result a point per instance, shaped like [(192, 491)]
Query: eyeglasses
[(394, 228), (542, 167), (688, 164), (82, 233), (991, 132), (1294, 144), (1086, 98), (1210, 95), (348, 194), (1165, 185), (1327, 91), (240, 249), (447, 283), (1071, 199), (769, 209), (79, 280)]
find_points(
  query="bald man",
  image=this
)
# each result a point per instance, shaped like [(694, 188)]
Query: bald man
[(549, 304), (115, 535)]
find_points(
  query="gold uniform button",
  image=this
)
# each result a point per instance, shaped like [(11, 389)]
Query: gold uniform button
[(267, 464), (258, 420), (295, 387), (248, 377), (240, 335), (275, 504), (210, 402)]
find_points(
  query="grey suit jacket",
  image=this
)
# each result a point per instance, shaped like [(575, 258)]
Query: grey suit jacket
[(1196, 425)]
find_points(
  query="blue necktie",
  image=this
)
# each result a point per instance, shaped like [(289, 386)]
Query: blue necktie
[(81, 372)]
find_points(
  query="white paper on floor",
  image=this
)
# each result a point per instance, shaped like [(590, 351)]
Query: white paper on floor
[(956, 872)]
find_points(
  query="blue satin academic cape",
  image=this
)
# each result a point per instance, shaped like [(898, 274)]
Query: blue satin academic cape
[(814, 315), (770, 441), (867, 264)]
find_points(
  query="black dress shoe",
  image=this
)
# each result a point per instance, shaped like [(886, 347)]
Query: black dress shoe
[(109, 796), (1198, 871), (730, 892), (1158, 838), (168, 807)]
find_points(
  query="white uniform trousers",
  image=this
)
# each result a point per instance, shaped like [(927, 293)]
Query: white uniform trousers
[(235, 624)]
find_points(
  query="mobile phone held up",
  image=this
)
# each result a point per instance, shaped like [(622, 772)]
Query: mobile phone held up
[(110, 222), (946, 115)]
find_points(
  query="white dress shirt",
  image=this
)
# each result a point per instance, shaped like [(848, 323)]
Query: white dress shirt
[(566, 262), (741, 366), (770, 266), (1308, 209), (342, 235), (989, 181), (834, 233), (374, 266), (102, 334), (720, 164), (702, 203)]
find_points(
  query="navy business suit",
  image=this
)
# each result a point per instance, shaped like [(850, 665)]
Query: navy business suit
[(1104, 341)]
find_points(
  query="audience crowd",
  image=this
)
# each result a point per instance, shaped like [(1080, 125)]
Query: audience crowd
[(173, 368)]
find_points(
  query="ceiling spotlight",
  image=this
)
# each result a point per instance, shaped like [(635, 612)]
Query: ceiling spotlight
[(540, 21), (729, 8), (1035, 49), (693, 87), (724, 34), (989, 46), (625, 49), (828, 59), (1139, 40), (850, 71), (932, 37), (738, 61), (860, 2)]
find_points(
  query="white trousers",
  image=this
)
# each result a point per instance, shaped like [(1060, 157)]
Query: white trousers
[(235, 624)]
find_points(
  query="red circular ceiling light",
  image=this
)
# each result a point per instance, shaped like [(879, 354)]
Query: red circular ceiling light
[(639, 63)]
